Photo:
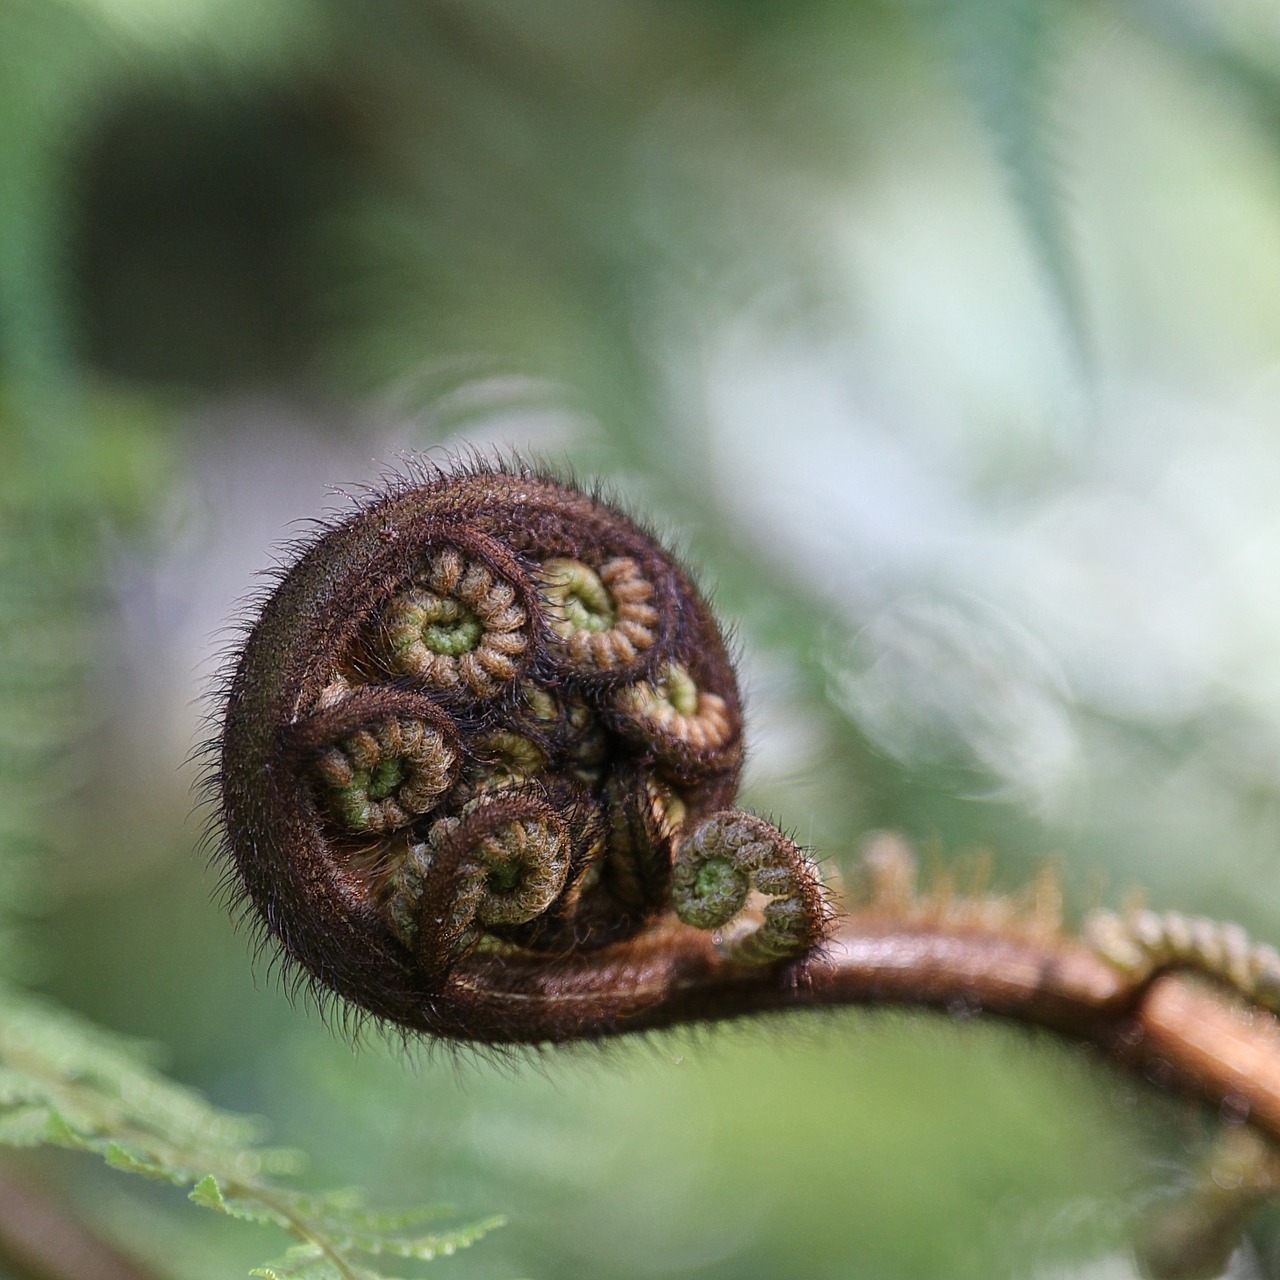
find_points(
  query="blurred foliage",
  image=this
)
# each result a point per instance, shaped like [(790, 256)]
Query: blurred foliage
[(65, 1083), (942, 332)]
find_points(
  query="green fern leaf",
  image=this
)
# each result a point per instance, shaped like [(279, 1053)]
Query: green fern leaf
[(206, 1192), (120, 1157), (67, 1083), (25, 1126), (424, 1248), (301, 1263), (209, 1193)]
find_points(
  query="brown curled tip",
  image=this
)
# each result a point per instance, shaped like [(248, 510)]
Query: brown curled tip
[(461, 747)]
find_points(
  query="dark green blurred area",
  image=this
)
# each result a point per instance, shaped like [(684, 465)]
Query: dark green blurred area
[(941, 334)]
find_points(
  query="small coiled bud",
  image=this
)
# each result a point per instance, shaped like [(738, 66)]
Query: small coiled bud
[(503, 861), (601, 620), (458, 627), (377, 766), (680, 721), (1142, 942), (481, 740), (718, 865)]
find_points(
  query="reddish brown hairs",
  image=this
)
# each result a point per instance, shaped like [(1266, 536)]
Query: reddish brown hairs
[(478, 761)]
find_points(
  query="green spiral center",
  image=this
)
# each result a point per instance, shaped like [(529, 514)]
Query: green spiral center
[(589, 611), (385, 777), (503, 877), (452, 639), (448, 628), (583, 602), (676, 687), (368, 786), (719, 888)]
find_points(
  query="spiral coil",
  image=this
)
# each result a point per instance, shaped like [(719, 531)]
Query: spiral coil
[(483, 727)]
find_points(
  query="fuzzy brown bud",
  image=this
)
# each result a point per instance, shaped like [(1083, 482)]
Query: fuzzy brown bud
[(463, 744)]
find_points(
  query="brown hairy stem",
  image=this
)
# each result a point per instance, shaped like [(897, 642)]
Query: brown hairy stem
[(1174, 1028)]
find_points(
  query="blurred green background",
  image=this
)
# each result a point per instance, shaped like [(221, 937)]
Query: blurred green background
[(944, 338)]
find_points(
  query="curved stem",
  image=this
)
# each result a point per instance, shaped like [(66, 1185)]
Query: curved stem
[(1177, 1030)]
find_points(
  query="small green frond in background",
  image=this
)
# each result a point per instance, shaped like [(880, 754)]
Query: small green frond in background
[(67, 1083), (314, 1262)]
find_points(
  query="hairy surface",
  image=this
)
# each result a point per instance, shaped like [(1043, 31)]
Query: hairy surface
[(484, 736)]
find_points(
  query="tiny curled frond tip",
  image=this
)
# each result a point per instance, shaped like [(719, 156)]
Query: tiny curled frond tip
[(476, 764)]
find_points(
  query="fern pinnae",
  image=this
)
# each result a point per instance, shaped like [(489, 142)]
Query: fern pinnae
[(67, 1083)]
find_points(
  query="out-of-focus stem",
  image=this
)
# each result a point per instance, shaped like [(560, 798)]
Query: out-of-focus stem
[(40, 1239)]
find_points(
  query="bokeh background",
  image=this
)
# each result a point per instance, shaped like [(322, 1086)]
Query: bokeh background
[(944, 338)]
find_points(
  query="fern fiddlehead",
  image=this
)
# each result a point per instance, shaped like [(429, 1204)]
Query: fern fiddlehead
[(477, 766), (719, 864), (477, 772)]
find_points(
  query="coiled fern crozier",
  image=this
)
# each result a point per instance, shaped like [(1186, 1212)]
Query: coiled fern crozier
[(478, 770)]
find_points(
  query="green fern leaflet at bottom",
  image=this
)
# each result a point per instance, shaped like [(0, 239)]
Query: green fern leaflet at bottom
[(65, 1082)]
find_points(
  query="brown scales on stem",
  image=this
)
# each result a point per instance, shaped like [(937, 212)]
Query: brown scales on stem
[(571, 866)]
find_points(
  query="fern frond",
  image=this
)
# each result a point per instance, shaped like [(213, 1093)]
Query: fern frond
[(67, 1083)]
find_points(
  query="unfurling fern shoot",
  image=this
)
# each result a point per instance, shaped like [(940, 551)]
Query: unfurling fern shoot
[(478, 764)]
